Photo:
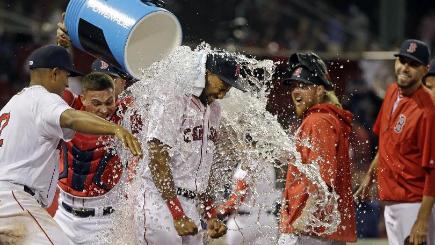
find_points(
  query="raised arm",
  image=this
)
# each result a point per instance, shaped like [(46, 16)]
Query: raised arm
[(88, 123), (62, 36)]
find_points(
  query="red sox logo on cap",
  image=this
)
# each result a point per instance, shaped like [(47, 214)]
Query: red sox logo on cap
[(400, 123), (104, 65), (412, 47), (297, 72)]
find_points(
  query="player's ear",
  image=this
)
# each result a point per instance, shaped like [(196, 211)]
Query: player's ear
[(426, 69), (320, 91), (54, 72)]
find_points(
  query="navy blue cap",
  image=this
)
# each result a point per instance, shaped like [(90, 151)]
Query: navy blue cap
[(226, 68), (52, 56), (415, 50), (102, 66), (431, 71), (307, 68)]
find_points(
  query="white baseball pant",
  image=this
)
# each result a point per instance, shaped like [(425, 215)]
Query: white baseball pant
[(290, 239), (155, 223), (83, 230), (399, 219), (24, 221), (257, 228)]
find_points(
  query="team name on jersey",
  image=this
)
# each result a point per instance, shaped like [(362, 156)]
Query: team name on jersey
[(196, 133), (400, 123)]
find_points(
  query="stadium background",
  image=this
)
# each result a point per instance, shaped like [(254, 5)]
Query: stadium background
[(357, 38)]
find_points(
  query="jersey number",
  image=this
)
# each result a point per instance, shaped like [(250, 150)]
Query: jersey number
[(4, 120)]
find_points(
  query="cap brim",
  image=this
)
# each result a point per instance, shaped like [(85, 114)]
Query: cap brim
[(232, 83), (290, 81), (73, 73), (410, 57)]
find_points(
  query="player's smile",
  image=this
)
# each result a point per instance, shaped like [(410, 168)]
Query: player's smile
[(408, 72), (404, 76), (303, 97)]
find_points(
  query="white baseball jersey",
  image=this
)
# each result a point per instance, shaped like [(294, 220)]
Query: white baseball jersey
[(30, 133), (190, 130), (258, 225), (263, 194)]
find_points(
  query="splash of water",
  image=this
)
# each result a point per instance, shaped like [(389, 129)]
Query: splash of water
[(243, 113)]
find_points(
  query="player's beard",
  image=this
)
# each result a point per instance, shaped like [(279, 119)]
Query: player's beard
[(303, 103), (406, 85), (300, 108)]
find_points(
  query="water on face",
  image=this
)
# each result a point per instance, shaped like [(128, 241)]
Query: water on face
[(243, 116)]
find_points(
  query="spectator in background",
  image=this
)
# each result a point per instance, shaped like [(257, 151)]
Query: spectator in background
[(427, 29)]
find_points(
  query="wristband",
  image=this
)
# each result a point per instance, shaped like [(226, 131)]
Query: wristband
[(236, 198), (175, 208), (209, 209), (230, 205)]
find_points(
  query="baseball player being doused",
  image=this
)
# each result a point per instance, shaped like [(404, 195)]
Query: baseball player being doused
[(180, 138)]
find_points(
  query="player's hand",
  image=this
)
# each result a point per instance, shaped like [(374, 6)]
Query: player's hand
[(419, 232), (62, 34), (129, 141), (363, 191), (216, 228), (185, 226)]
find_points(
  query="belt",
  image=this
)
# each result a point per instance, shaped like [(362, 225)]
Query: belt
[(240, 212), (186, 193), (85, 212), (28, 190)]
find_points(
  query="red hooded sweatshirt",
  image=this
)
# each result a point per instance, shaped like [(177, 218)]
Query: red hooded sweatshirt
[(327, 128)]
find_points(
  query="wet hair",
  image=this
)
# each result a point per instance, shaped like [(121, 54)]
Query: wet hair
[(97, 81)]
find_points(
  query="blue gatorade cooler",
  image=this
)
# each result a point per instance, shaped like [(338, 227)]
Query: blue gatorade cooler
[(129, 34)]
